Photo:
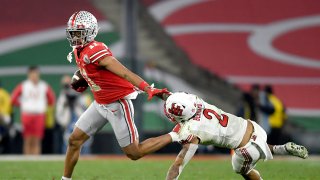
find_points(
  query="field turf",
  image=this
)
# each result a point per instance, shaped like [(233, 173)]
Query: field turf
[(155, 168)]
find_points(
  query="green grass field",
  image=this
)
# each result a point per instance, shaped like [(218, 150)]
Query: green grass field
[(156, 168)]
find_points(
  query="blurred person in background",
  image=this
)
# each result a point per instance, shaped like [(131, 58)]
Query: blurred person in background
[(70, 105), (265, 109), (48, 139), (33, 96), (248, 108), (276, 115), (5, 118)]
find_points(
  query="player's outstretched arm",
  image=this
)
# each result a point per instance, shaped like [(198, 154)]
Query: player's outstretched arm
[(113, 65), (185, 155)]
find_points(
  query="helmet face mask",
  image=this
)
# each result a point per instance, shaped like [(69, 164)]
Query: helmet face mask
[(180, 107), (76, 37), (82, 28)]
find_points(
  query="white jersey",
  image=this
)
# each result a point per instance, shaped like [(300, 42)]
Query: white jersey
[(33, 99), (216, 127)]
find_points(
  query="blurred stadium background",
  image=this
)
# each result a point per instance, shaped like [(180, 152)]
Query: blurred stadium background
[(216, 49)]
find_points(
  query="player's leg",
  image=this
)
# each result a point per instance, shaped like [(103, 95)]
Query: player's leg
[(137, 150), (38, 132), (35, 145), (87, 125), (27, 145), (27, 133), (76, 139), (123, 125), (252, 175), (244, 160), (289, 148)]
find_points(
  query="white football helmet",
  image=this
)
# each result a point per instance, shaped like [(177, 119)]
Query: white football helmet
[(82, 28), (180, 106)]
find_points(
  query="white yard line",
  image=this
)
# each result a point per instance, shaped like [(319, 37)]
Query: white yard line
[(32, 157)]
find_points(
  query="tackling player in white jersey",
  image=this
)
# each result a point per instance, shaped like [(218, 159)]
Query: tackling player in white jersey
[(206, 124)]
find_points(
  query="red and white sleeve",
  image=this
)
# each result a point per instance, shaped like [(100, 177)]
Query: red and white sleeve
[(98, 53)]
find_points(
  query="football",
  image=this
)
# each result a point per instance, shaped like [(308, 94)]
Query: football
[(78, 80)]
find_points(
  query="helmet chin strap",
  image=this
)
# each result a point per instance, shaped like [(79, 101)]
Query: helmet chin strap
[(69, 57)]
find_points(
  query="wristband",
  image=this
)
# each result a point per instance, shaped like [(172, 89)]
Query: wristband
[(143, 85), (174, 136)]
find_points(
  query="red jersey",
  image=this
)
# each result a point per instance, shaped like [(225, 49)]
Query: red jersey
[(106, 86)]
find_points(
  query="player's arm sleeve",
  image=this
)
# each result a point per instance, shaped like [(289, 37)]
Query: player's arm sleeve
[(113, 65), (15, 95), (182, 159), (98, 53)]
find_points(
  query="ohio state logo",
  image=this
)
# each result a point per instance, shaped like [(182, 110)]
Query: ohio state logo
[(175, 110), (86, 59), (80, 26)]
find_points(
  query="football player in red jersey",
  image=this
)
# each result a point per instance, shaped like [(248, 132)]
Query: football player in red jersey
[(113, 87)]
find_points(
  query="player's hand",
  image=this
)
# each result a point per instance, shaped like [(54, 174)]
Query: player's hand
[(175, 133), (186, 140), (156, 92), (180, 133), (181, 140), (185, 136), (79, 89), (151, 91)]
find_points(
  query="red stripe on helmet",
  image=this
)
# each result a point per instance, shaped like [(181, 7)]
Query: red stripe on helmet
[(74, 18)]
